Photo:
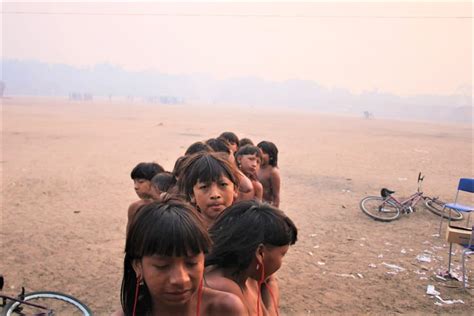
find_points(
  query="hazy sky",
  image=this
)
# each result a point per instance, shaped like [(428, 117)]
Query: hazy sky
[(399, 47)]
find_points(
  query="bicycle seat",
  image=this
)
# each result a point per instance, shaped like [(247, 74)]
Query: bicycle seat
[(386, 192)]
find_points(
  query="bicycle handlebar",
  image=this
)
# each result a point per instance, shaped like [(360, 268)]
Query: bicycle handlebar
[(420, 178)]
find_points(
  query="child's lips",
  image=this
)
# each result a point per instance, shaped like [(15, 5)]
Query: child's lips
[(216, 206)]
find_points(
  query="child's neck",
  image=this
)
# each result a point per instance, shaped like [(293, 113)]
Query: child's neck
[(188, 308)]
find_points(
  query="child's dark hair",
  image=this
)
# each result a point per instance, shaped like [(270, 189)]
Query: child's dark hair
[(242, 228), (230, 137), (205, 167), (146, 170), (249, 150), (272, 151), (168, 228), (219, 145), (197, 147), (178, 166), (164, 181), (245, 141)]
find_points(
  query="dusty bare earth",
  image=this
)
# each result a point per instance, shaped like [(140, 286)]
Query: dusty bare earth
[(66, 189)]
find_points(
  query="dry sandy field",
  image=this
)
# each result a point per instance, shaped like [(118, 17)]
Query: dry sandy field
[(66, 188)]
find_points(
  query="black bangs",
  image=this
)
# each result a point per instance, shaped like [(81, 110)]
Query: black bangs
[(167, 229), (205, 167), (209, 170)]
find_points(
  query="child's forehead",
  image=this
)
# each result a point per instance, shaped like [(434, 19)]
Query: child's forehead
[(250, 155), (213, 179)]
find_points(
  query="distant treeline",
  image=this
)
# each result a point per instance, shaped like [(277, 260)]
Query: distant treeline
[(37, 78)]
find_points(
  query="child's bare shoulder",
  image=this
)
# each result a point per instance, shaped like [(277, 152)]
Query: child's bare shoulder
[(223, 303), (135, 206), (216, 281)]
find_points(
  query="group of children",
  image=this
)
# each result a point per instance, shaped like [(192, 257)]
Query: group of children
[(200, 241)]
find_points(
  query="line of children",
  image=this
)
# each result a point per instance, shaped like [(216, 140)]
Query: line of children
[(167, 241)]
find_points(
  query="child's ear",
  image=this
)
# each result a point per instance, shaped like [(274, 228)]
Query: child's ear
[(192, 199), (259, 253), (137, 267)]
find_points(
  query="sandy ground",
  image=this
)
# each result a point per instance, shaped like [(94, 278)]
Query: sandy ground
[(66, 189)]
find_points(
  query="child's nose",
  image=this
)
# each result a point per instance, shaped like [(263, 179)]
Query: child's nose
[(215, 192), (179, 275)]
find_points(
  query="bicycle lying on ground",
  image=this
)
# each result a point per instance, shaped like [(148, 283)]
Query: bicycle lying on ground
[(42, 303), (387, 208)]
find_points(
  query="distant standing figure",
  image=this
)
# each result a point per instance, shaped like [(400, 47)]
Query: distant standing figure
[(269, 173)]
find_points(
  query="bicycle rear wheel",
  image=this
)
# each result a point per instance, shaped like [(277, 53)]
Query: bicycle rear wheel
[(59, 303), (436, 206), (379, 209)]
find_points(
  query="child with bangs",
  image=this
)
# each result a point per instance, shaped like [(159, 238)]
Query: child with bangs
[(164, 265), (210, 182), (142, 175), (250, 240)]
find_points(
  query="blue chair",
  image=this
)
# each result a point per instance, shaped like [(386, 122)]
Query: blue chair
[(466, 185)]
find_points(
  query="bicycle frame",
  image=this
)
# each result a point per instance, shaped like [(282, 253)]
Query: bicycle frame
[(410, 202), (20, 299)]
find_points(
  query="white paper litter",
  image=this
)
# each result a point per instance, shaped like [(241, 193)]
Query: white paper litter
[(360, 275), (393, 266), (346, 275), (316, 247), (403, 251), (430, 290), (440, 277), (423, 258), (449, 302), (321, 263), (380, 256), (310, 253), (372, 265)]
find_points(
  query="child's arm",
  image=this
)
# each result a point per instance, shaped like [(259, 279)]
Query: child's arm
[(258, 188), (275, 184)]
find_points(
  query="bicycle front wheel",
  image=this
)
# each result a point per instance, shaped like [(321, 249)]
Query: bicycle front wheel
[(436, 206), (58, 303), (379, 209)]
